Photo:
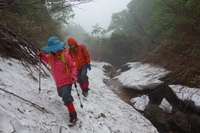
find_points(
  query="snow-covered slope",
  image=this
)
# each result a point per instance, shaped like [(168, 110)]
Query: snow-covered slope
[(24, 110)]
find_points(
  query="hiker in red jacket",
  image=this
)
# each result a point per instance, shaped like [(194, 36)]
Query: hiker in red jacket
[(81, 58), (64, 74)]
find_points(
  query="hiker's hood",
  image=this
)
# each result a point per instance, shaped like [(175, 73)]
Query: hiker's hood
[(71, 41)]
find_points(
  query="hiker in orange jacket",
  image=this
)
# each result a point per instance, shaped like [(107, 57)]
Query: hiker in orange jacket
[(64, 76), (81, 58)]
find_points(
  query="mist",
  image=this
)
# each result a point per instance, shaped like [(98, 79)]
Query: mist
[(97, 12)]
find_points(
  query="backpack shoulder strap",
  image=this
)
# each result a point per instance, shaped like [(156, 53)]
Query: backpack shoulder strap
[(62, 56), (49, 58), (83, 51)]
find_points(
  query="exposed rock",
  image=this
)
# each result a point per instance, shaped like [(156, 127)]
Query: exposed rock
[(192, 105), (110, 71), (156, 115), (184, 117), (195, 122), (125, 68), (107, 68), (166, 93), (180, 121), (176, 123)]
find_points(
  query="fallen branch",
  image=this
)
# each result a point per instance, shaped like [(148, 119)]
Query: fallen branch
[(42, 109)]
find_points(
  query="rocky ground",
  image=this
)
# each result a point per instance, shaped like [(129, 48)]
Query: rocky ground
[(184, 118)]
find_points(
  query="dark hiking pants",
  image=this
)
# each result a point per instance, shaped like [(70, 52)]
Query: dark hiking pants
[(65, 93)]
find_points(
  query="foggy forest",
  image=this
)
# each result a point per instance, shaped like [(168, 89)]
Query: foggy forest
[(164, 33)]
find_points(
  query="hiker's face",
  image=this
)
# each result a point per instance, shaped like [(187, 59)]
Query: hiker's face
[(72, 46), (52, 52)]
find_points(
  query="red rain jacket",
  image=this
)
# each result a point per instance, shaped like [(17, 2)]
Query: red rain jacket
[(59, 69)]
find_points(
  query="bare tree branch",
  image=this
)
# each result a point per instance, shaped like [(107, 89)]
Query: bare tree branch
[(11, 3), (42, 109)]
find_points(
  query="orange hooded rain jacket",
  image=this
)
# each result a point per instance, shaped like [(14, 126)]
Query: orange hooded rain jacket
[(81, 57)]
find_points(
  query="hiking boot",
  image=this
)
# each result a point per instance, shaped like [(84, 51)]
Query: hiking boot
[(72, 121), (73, 118), (85, 94)]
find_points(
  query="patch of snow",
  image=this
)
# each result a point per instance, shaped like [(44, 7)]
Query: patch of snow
[(141, 76), (187, 93), (140, 102), (165, 106)]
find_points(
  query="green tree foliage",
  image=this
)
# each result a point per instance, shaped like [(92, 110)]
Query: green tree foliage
[(177, 29), (177, 19), (36, 20), (60, 11), (25, 25), (98, 31), (127, 20), (177, 25), (134, 22), (118, 20), (97, 43), (121, 47)]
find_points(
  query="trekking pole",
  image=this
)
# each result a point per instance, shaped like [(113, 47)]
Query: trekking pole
[(78, 95), (39, 60)]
